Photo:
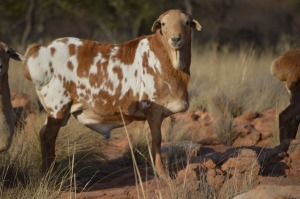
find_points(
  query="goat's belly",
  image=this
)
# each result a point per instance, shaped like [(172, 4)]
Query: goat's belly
[(99, 121), (103, 128)]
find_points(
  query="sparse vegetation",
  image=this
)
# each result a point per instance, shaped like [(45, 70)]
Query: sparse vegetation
[(229, 84), (140, 146), (230, 75), (224, 84)]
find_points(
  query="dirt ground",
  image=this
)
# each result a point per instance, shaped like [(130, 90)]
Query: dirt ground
[(266, 164), (253, 165)]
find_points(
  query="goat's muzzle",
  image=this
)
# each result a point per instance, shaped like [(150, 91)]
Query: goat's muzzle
[(176, 42)]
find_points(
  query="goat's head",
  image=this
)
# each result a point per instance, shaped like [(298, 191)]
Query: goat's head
[(5, 54), (6, 111), (174, 28)]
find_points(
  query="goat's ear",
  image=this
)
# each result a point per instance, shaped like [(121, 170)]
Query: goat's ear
[(14, 55), (156, 25), (196, 24)]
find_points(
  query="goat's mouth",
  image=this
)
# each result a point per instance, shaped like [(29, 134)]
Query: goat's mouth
[(176, 46)]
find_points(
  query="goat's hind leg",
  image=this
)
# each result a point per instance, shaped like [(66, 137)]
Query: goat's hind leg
[(48, 136)]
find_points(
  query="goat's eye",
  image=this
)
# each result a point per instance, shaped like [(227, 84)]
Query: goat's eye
[(163, 24), (187, 23)]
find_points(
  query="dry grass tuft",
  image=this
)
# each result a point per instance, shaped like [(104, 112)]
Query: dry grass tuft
[(226, 84)]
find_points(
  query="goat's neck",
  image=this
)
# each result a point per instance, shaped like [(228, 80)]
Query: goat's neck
[(5, 103), (180, 78)]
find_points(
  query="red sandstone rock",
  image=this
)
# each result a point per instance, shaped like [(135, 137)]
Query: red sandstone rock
[(253, 128), (19, 99), (245, 162), (23, 112), (196, 124)]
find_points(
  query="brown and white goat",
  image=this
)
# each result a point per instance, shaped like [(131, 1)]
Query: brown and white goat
[(287, 69), (143, 79), (7, 119)]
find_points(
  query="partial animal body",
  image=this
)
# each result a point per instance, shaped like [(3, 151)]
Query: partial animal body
[(7, 119), (287, 69), (143, 79)]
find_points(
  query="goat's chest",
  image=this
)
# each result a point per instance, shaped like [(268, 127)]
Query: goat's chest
[(172, 96)]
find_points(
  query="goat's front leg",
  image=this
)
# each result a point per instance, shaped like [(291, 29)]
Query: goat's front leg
[(154, 117), (289, 122), (285, 119), (289, 118), (294, 124), (48, 136)]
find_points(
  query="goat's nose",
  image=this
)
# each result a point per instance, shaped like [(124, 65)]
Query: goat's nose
[(176, 39)]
